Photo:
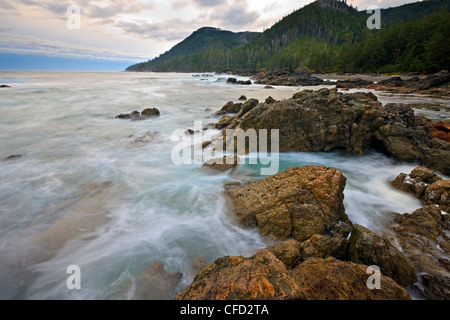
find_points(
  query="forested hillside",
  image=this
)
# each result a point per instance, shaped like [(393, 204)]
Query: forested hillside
[(325, 36)]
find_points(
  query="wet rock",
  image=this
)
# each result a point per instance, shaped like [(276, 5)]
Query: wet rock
[(332, 279), (268, 87), (265, 277), (439, 194), (13, 157), (366, 247), (416, 182), (438, 160), (441, 130), (123, 116), (324, 246), (270, 100), (352, 83), (436, 287), (288, 252), (230, 107), (422, 236), (244, 98), (206, 144), (4, 86), (260, 277), (288, 78), (295, 204), (150, 112), (222, 164), (232, 80), (155, 283)]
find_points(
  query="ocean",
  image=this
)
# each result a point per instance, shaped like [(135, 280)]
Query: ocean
[(103, 194)]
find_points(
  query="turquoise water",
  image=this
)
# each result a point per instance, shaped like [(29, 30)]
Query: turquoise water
[(103, 194)]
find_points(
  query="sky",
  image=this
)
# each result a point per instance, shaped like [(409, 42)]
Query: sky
[(110, 35)]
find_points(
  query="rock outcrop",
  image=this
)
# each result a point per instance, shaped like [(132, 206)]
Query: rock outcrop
[(326, 119), (366, 247), (274, 274), (136, 115), (298, 77), (298, 203), (426, 186), (423, 238)]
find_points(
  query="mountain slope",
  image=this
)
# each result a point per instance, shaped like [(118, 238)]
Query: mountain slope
[(203, 40), (326, 35)]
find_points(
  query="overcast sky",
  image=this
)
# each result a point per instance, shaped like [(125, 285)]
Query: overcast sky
[(115, 33)]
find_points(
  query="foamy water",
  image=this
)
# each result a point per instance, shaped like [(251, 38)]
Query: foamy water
[(103, 194)]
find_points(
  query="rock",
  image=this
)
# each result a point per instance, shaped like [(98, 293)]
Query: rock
[(136, 115), (441, 130), (230, 107), (264, 277), (416, 182), (366, 247), (270, 100), (123, 116), (438, 160), (260, 277), (436, 287), (155, 283), (352, 83), (13, 157), (231, 80), (223, 164), (323, 246), (4, 86), (423, 240), (288, 78), (439, 194), (295, 204), (288, 252), (241, 82), (244, 98), (150, 112), (332, 279), (269, 87), (223, 122)]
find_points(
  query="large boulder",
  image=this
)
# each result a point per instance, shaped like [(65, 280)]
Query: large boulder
[(265, 277), (366, 247), (299, 203)]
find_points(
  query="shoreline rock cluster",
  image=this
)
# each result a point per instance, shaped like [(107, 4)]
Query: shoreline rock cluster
[(298, 77), (136, 115), (302, 209), (313, 258), (326, 120)]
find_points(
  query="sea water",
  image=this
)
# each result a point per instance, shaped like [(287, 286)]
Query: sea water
[(103, 194)]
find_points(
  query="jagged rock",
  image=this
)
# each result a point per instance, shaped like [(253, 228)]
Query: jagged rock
[(438, 160), (416, 182), (270, 100), (324, 246), (332, 279), (223, 164), (366, 247), (298, 203), (438, 193), (423, 239), (155, 283), (265, 277), (441, 130), (288, 252), (230, 107), (288, 78)]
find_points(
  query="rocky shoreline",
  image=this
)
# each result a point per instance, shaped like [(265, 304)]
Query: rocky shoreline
[(317, 252)]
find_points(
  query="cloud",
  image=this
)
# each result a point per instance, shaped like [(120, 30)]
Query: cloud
[(28, 45), (170, 30), (236, 15), (209, 3)]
